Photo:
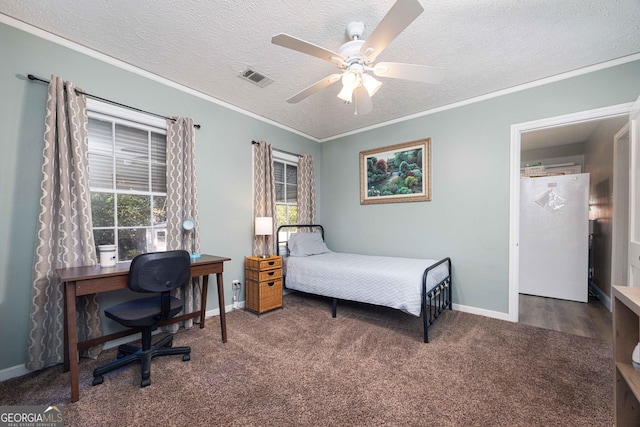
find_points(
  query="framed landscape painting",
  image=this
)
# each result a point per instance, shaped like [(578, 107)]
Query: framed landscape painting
[(398, 173)]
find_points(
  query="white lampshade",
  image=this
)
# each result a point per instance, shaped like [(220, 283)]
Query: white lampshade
[(350, 81), (370, 84), (264, 226), (346, 94)]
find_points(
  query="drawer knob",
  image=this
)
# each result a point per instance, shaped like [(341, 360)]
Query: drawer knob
[(271, 262), (271, 283), (271, 273)]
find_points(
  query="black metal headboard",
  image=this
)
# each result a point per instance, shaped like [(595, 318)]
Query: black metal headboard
[(281, 247)]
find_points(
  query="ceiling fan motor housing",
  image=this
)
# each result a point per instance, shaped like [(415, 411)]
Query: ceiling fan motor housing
[(351, 51)]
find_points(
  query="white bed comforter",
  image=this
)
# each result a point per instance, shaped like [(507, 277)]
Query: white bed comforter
[(387, 281)]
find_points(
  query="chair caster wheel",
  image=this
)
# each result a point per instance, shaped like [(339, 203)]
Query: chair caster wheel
[(145, 382), (97, 380), (186, 357)]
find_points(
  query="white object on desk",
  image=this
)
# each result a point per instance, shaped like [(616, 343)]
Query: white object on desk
[(635, 357), (107, 255)]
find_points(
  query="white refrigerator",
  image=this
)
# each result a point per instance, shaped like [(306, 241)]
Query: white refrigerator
[(554, 236)]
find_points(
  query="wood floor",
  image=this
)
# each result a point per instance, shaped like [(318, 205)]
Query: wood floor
[(590, 319)]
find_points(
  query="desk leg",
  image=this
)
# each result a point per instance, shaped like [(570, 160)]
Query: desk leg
[(223, 318), (72, 338), (203, 303), (65, 320)]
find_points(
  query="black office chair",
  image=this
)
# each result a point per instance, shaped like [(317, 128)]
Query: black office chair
[(152, 272)]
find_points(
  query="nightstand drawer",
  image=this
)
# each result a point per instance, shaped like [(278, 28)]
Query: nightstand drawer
[(265, 275), (255, 263), (264, 296)]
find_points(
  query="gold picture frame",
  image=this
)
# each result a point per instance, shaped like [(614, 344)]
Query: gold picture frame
[(397, 173)]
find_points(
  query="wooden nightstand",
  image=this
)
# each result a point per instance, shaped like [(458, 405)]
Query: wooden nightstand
[(264, 283)]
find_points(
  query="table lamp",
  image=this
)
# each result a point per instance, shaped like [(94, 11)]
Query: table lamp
[(189, 225), (264, 227)]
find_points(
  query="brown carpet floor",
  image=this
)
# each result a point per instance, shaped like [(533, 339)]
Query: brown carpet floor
[(368, 367)]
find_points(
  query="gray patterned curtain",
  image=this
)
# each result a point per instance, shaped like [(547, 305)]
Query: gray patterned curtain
[(182, 203), (264, 195), (64, 236), (306, 191)]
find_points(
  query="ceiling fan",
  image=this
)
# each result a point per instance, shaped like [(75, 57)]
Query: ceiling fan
[(356, 58)]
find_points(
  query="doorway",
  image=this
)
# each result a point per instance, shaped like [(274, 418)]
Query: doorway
[(517, 133), (592, 319)]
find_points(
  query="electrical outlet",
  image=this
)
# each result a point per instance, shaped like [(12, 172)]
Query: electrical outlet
[(236, 285)]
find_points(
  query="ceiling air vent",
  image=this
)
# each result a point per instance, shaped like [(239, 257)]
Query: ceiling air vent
[(256, 77)]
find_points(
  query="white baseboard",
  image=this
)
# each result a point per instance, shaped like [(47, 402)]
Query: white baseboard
[(20, 370), (481, 312), (604, 298), (14, 371), (227, 309)]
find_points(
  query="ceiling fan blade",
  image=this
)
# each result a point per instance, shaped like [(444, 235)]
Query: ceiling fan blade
[(285, 40), (418, 73), (401, 14), (363, 101), (329, 80)]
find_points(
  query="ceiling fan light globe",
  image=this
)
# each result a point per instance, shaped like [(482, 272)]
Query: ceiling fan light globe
[(346, 94), (370, 84), (350, 79)]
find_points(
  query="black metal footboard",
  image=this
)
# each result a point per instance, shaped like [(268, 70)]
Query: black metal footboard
[(437, 299)]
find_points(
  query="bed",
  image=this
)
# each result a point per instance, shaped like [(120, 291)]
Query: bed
[(414, 286)]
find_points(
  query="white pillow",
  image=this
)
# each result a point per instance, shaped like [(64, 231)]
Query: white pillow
[(306, 244)]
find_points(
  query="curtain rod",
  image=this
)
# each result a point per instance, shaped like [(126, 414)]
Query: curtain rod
[(34, 78), (282, 151)]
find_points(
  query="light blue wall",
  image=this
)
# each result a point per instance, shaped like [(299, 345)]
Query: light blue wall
[(468, 217), (223, 154)]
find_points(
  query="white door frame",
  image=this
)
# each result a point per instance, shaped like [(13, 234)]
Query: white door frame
[(620, 217), (514, 183), (633, 274)]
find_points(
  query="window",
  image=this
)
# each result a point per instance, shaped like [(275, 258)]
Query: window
[(127, 178), (286, 181)]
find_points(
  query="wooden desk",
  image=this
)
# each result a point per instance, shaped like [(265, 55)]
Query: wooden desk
[(79, 281)]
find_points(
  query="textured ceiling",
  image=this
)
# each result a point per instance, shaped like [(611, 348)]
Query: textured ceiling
[(485, 45)]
